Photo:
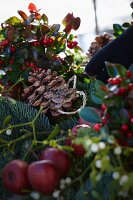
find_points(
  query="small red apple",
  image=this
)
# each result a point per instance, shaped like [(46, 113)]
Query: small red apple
[(79, 150), (15, 176), (43, 176), (59, 157)]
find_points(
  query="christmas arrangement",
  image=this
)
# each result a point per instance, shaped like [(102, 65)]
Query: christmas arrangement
[(63, 135)]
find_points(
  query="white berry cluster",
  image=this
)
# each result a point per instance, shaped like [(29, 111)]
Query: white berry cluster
[(95, 147), (63, 184)]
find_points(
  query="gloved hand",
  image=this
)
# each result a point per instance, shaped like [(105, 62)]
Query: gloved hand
[(119, 51)]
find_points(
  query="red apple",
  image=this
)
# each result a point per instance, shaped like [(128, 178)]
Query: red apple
[(59, 157), (43, 176), (15, 176), (79, 150)]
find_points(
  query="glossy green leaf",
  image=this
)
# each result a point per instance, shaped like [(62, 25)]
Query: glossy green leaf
[(89, 114), (117, 29), (100, 88), (96, 99), (115, 69), (126, 25)]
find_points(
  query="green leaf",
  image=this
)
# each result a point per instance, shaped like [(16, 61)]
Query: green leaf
[(45, 19), (13, 20), (54, 133), (112, 71), (7, 120), (117, 29), (99, 86), (126, 25), (115, 69), (96, 98), (89, 114)]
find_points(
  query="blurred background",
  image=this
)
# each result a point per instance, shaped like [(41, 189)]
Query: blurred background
[(97, 16)]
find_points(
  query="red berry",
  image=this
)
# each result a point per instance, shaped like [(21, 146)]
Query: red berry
[(129, 135), (12, 49), (116, 81), (121, 91), (50, 41), (11, 61), (103, 107), (43, 176), (97, 127), (124, 127), (104, 120), (15, 176), (110, 80), (128, 74), (35, 43), (74, 43), (47, 41), (59, 157), (130, 86), (131, 119), (69, 45)]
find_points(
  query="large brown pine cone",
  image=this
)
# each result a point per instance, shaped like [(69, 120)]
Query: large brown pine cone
[(50, 91), (100, 41)]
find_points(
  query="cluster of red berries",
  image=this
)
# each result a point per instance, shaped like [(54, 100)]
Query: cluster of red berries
[(123, 87), (47, 41), (43, 175), (118, 81), (4, 43), (30, 64), (35, 43), (72, 44)]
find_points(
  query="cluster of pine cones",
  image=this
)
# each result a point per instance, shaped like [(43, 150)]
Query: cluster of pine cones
[(100, 41), (50, 91)]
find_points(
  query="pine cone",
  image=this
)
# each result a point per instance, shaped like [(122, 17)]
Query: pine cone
[(100, 41), (50, 91)]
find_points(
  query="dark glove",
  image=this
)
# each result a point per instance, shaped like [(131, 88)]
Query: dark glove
[(120, 51)]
